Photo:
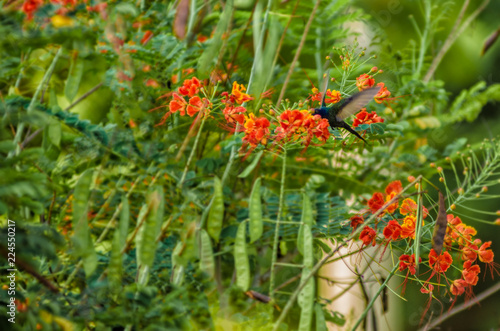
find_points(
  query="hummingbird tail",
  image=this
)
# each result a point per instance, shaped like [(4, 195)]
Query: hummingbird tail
[(351, 130)]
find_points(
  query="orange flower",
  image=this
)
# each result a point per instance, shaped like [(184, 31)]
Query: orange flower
[(392, 230), (393, 206), (441, 263), (486, 255), (408, 261), (332, 96), (470, 273), (458, 287), (356, 220), (427, 289), (152, 83), (410, 207), (179, 104), (408, 227), (367, 236), (316, 96), (376, 202), (256, 130), (363, 117), (234, 114), (394, 186), (364, 82), (320, 128), (238, 93), (292, 120), (190, 87), (293, 124), (469, 252), (382, 94), (30, 7), (146, 37)]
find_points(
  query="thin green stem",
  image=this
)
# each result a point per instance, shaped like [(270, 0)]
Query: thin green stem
[(258, 47), (297, 52), (34, 99), (193, 150), (372, 301), (277, 227)]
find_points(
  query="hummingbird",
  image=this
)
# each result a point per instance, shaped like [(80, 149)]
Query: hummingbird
[(338, 112)]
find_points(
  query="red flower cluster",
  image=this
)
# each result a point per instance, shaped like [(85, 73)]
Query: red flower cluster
[(458, 240), (30, 7), (232, 112), (378, 200), (363, 117), (301, 124), (364, 82), (256, 130), (332, 96), (383, 94), (190, 88)]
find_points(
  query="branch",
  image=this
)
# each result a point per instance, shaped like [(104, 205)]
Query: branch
[(29, 269), (453, 36), (297, 53)]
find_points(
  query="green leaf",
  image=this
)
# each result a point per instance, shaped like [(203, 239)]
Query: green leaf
[(207, 263), (126, 9), (115, 268), (307, 295), (255, 212), (336, 318), (377, 128), (74, 77), (145, 241), (320, 318), (83, 245), (241, 262), (248, 170), (216, 213), (307, 218), (124, 222), (55, 133), (206, 63)]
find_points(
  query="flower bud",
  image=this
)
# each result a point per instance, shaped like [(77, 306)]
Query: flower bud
[(411, 178), (453, 207)]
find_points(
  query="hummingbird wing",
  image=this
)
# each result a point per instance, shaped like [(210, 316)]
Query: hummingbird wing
[(353, 104), (325, 82)]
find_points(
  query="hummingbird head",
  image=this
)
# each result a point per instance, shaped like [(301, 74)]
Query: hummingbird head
[(323, 112)]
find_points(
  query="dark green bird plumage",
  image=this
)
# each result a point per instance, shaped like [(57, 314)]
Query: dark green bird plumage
[(338, 112)]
